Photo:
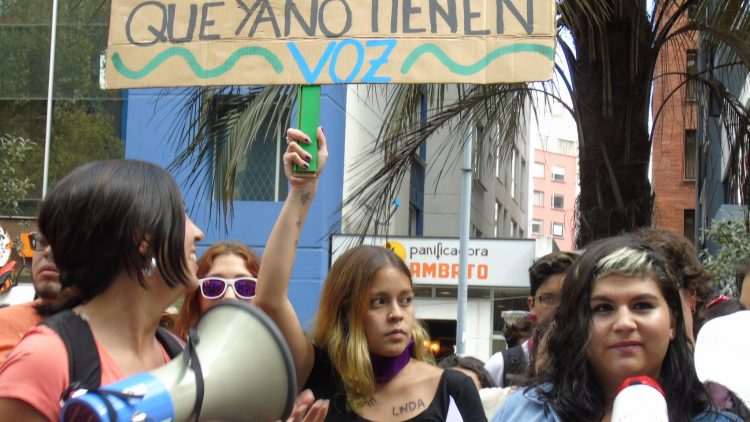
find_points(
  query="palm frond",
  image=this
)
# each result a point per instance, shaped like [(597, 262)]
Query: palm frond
[(218, 128)]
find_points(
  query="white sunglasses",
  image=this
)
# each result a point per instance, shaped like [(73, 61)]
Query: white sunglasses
[(215, 287)]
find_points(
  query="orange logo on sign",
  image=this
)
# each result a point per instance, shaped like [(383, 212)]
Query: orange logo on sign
[(397, 248)]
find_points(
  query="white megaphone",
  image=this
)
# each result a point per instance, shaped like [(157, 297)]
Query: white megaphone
[(245, 373), (640, 399)]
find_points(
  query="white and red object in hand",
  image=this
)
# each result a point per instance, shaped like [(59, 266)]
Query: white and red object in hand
[(640, 399)]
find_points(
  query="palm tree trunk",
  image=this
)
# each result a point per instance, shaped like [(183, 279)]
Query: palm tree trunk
[(614, 148)]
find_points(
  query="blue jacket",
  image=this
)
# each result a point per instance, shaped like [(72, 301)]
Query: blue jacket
[(527, 406)]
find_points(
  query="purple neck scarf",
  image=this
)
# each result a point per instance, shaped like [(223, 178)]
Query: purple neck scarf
[(386, 368)]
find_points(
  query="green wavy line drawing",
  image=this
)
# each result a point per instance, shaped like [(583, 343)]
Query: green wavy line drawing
[(464, 70), (197, 69)]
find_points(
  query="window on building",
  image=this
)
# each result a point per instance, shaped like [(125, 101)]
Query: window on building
[(513, 228), (537, 227), (498, 165), (557, 229), (689, 225), (505, 218), (692, 11), (475, 232), (498, 223), (260, 172), (478, 161), (513, 176), (417, 179), (691, 150), (558, 201), (566, 146), (691, 91), (539, 170), (522, 186), (558, 173), (538, 198)]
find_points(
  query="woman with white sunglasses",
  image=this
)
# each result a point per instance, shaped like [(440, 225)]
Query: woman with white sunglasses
[(226, 271)]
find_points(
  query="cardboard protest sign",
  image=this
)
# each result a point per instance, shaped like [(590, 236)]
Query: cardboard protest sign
[(157, 43)]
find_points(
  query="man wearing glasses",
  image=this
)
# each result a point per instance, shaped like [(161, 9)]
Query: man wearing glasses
[(546, 277), (16, 320)]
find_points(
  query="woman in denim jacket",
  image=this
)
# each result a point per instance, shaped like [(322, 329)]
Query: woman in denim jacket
[(619, 316)]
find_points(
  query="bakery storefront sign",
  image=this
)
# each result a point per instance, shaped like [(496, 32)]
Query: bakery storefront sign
[(491, 262)]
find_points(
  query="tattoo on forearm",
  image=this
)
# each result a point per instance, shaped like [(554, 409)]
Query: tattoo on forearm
[(305, 197), (299, 223), (407, 407)]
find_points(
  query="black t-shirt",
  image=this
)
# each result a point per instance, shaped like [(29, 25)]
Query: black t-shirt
[(325, 383)]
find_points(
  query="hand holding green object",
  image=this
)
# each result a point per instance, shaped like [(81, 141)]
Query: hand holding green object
[(308, 120)]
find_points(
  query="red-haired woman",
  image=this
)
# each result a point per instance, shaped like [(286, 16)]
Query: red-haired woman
[(226, 271)]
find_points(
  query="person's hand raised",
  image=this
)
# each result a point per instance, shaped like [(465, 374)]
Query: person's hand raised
[(296, 155)]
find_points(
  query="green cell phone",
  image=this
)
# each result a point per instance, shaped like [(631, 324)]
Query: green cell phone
[(308, 120)]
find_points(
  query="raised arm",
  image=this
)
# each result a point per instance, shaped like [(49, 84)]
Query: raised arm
[(281, 248)]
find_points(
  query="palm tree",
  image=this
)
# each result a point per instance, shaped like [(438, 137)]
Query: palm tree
[(607, 64)]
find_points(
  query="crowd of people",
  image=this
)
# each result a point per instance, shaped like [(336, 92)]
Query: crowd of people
[(115, 248)]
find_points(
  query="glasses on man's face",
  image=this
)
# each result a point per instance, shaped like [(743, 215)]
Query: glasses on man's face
[(215, 287), (548, 300), (37, 242)]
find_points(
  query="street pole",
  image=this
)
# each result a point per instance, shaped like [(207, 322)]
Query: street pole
[(463, 264), (51, 83)]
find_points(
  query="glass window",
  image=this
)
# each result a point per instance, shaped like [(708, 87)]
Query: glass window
[(513, 177), (689, 225), (690, 162), (566, 147), (497, 164), (513, 228), (539, 170), (478, 152), (446, 292), (558, 201), (538, 198), (422, 291), (558, 173), (536, 227), (498, 223), (557, 229), (260, 173), (691, 92)]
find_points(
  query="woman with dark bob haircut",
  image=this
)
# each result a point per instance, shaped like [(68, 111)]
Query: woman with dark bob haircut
[(620, 316), (126, 251)]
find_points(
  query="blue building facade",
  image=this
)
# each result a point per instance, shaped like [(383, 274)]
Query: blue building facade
[(148, 116)]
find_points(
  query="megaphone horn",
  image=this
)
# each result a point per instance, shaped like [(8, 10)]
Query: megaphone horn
[(247, 373)]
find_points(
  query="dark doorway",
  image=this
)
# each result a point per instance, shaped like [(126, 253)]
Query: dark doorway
[(442, 336)]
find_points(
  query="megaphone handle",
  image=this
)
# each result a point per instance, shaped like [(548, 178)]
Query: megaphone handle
[(195, 365)]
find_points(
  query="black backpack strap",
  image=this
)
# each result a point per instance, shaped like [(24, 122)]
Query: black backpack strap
[(169, 342), (84, 367)]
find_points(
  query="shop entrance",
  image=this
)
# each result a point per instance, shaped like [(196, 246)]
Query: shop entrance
[(442, 336)]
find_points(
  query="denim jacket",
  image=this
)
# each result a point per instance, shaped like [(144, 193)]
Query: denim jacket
[(527, 406)]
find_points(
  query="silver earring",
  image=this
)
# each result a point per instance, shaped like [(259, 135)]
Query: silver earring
[(149, 269)]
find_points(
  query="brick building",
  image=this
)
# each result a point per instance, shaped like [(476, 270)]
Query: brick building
[(674, 134)]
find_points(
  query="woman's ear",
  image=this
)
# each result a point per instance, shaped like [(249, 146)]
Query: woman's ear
[(144, 247)]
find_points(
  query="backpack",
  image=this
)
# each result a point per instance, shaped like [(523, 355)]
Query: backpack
[(84, 365), (514, 366)]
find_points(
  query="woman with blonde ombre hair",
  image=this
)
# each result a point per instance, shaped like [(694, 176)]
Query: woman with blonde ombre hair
[(226, 271), (367, 355)]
